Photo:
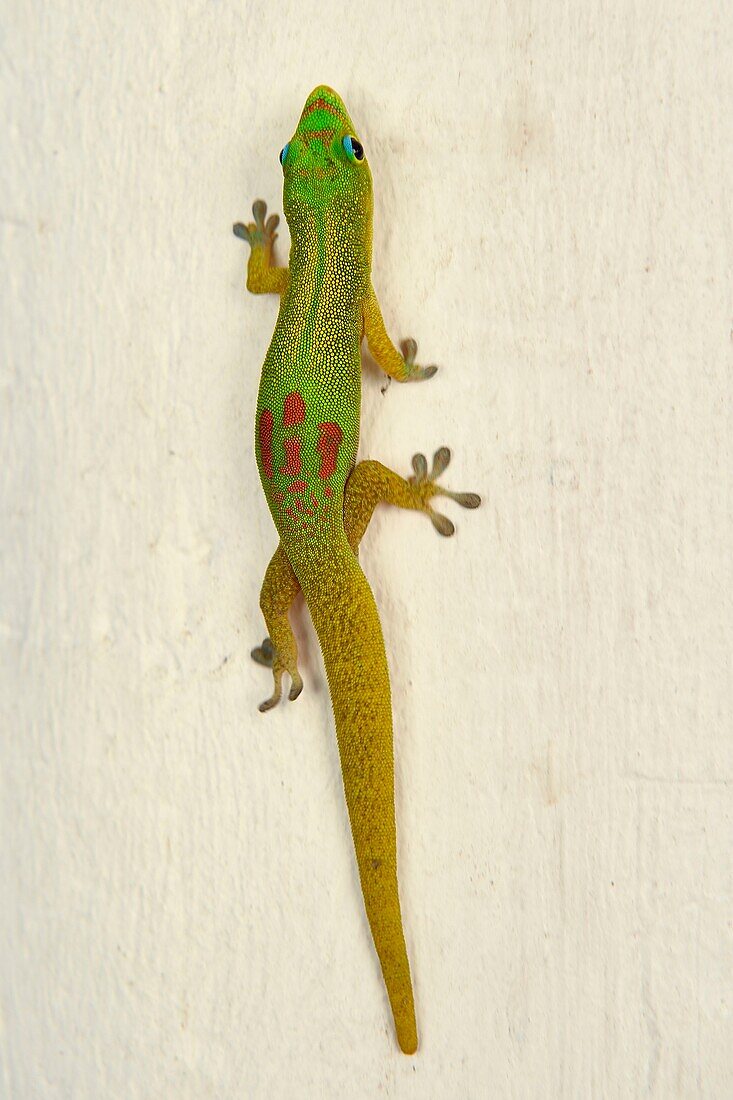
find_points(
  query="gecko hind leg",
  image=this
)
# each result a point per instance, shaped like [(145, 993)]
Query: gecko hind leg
[(279, 651), (371, 483)]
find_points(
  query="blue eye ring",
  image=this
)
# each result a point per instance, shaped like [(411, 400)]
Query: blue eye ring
[(284, 152), (354, 148)]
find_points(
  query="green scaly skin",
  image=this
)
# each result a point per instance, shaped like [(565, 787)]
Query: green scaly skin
[(307, 434)]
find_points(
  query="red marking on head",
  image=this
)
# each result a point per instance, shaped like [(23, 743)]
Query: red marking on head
[(293, 410), (292, 456), (328, 491), (320, 104), (329, 441), (290, 512), (314, 502), (299, 504), (324, 136), (266, 422)]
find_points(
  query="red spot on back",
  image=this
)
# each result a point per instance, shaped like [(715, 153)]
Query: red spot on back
[(328, 491), (297, 487), (266, 423), (292, 456), (329, 441), (294, 410)]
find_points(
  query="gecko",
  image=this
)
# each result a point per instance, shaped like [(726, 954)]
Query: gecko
[(321, 499)]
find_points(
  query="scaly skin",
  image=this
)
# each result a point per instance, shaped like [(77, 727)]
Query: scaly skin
[(307, 433)]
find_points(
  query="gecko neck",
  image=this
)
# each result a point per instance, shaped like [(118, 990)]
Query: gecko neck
[(330, 254)]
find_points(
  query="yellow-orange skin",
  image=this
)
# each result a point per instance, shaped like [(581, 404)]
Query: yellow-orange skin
[(327, 306)]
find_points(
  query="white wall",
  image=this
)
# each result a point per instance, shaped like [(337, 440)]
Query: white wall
[(181, 913)]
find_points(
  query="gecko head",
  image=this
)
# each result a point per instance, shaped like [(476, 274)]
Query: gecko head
[(324, 164)]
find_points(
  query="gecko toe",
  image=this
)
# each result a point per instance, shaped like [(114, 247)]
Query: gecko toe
[(409, 350), (420, 466), (441, 523), (269, 703), (467, 500), (264, 654), (414, 372), (441, 460)]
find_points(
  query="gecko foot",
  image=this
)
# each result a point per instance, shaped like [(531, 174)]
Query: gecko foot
[(265, 655), (259, 232), (414, 372), (425, 484)]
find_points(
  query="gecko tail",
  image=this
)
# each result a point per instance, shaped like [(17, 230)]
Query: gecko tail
[(345, 617)]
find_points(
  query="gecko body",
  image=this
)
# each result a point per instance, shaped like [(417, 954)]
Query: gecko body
[(321, 500)]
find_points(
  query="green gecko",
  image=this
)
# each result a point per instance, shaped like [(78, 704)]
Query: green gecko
[(321, 500)]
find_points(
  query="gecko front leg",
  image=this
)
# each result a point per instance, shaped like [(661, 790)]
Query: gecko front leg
[(402, 368), (262, 276)]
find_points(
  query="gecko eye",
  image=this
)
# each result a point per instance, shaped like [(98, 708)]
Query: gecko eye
[(284, 152), (354, 148)]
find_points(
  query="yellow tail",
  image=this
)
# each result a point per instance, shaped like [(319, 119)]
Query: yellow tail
[(345, 617)]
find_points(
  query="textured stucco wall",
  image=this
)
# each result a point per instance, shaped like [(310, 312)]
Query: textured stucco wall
[(180, 913)]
